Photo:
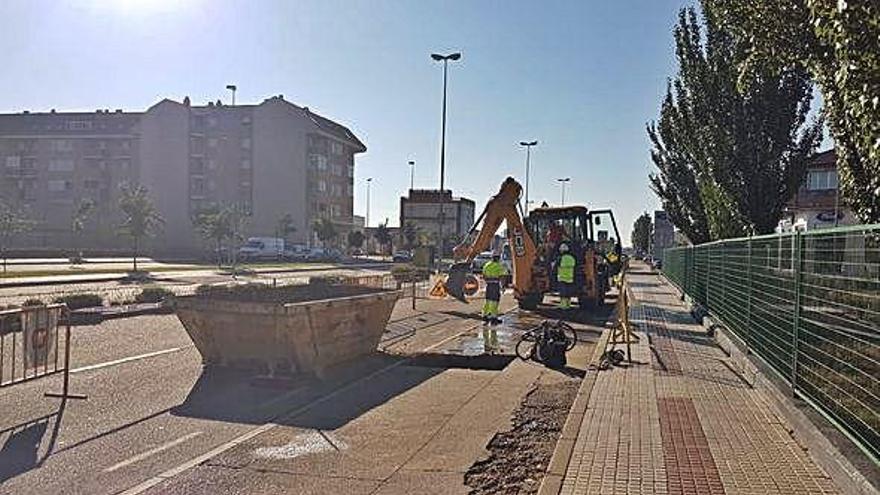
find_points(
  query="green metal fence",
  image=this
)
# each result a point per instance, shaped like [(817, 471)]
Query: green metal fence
[(809, 305)]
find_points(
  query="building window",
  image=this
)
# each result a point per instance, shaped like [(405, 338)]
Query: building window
[(246, 143), (212, 164), (13, 161), (336, 148), (351, 171), (61, 165), (322, 186), (61, 145), (349, 190), (212, 142), (197, 186), (91, 184), (335, 211), (246, 120), (124, 163), (126, 144), (318, 161), (212, 121), (821, 180), (337, 190), (246, 164), (79, 125), (59, 185)]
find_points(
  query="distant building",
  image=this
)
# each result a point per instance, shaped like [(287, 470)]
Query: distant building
[(817, 203), (422, 209), (273, 158), (663, 235)]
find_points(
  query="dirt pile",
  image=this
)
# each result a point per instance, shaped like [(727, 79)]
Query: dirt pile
[(518, 457)]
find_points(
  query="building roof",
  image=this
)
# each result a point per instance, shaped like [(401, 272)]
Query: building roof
[(433, 196), (825, 159), (67, 123), (335, 129)]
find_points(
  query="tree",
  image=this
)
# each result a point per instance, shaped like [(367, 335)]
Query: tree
[(78, 219), (238, 215), (214, 224), (286, 226), (383, 236), (410, 235), (641, 234), (355, 239), (12, 222), (730, 157), (140, 217), (326, 231), (838, 43)]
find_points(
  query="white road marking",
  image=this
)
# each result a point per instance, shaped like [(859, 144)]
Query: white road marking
[(313, 442), (129, 359), (152, 452), (170, 473)]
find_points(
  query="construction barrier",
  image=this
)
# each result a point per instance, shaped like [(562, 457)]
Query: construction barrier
[(34, 343)]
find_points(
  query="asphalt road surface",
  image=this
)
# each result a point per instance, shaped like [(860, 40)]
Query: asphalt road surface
[(152, 411)]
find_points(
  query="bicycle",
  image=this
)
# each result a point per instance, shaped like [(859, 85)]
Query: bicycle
[(540, 335)]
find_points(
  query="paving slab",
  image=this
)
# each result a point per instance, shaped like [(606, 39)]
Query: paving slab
[(678, 420)]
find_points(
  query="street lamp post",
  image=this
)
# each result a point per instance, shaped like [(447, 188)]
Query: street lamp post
[(528, 145), (367, 219), (233, 88), (445, 59), (563, 182), (412, 174)]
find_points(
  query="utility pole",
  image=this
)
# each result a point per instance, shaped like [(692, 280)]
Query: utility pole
[(233, 88), (445, 59), (412, 174), (528, 145), (563, 182), (367, 219)]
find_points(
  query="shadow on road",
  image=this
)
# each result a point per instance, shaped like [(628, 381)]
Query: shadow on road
[(21, 450)]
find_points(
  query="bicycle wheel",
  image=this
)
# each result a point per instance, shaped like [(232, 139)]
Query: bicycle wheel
[(525, 348), (571, 337)]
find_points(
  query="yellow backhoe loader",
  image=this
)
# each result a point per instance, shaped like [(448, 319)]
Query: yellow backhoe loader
[(534, 247)]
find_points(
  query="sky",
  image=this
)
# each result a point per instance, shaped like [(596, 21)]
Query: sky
[(581, 76)]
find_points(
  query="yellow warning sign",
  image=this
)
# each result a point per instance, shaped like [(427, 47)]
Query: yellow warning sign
[(439, 289)]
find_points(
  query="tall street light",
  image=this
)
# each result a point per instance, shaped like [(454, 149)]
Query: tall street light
[(528, 145), (233, 88), (412, 174), (367, 220), (563, 182), (445, 59)]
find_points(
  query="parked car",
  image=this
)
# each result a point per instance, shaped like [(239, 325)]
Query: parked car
[(480, 261), (296, 252), (323, 254), (261, 248), (402, 257)]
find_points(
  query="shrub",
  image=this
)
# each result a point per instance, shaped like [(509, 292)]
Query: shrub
[(153, 295), (409, 273), (33, 302), (78, 301)]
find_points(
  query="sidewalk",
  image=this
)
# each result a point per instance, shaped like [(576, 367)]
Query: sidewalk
[(678, 420)]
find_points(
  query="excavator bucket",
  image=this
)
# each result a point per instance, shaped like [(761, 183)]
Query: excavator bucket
[(455, 282)]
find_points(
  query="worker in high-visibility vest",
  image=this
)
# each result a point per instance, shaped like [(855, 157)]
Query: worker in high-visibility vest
[(565, 276), (493, 272)]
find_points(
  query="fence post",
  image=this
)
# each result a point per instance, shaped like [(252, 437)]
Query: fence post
[(798, 273), (748, 332), (708, 276)]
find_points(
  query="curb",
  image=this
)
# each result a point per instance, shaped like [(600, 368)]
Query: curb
[(556, 468)]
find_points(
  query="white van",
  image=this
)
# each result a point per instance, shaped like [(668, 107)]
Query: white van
[(262, 248)]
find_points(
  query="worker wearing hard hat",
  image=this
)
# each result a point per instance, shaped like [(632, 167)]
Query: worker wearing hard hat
[(565, 276), (493, 272)]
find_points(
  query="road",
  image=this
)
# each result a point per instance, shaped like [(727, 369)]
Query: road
[(152, 413)]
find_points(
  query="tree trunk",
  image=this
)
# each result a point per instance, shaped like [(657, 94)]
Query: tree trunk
[(219, 254), (134, 259)]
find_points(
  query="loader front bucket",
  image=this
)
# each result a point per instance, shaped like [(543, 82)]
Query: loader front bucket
[(458, 275)]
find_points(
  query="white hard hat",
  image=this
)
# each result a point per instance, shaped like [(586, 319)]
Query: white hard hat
[(563, 248)]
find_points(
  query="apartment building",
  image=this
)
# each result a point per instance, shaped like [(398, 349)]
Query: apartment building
[(817, 203), (422, 208), (272, 159)]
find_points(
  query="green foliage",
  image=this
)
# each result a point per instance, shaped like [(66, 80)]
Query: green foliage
[(729, 157), (838, 43), (410, 273), (153, 295), (325, 229), (286, 226), (641, 233), (140, 217), (33, 302), (410, 235), (12, 222), (355, 239), (79, 301), (383, 235)]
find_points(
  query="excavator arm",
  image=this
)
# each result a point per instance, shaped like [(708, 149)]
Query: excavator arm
[(502, 207)]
